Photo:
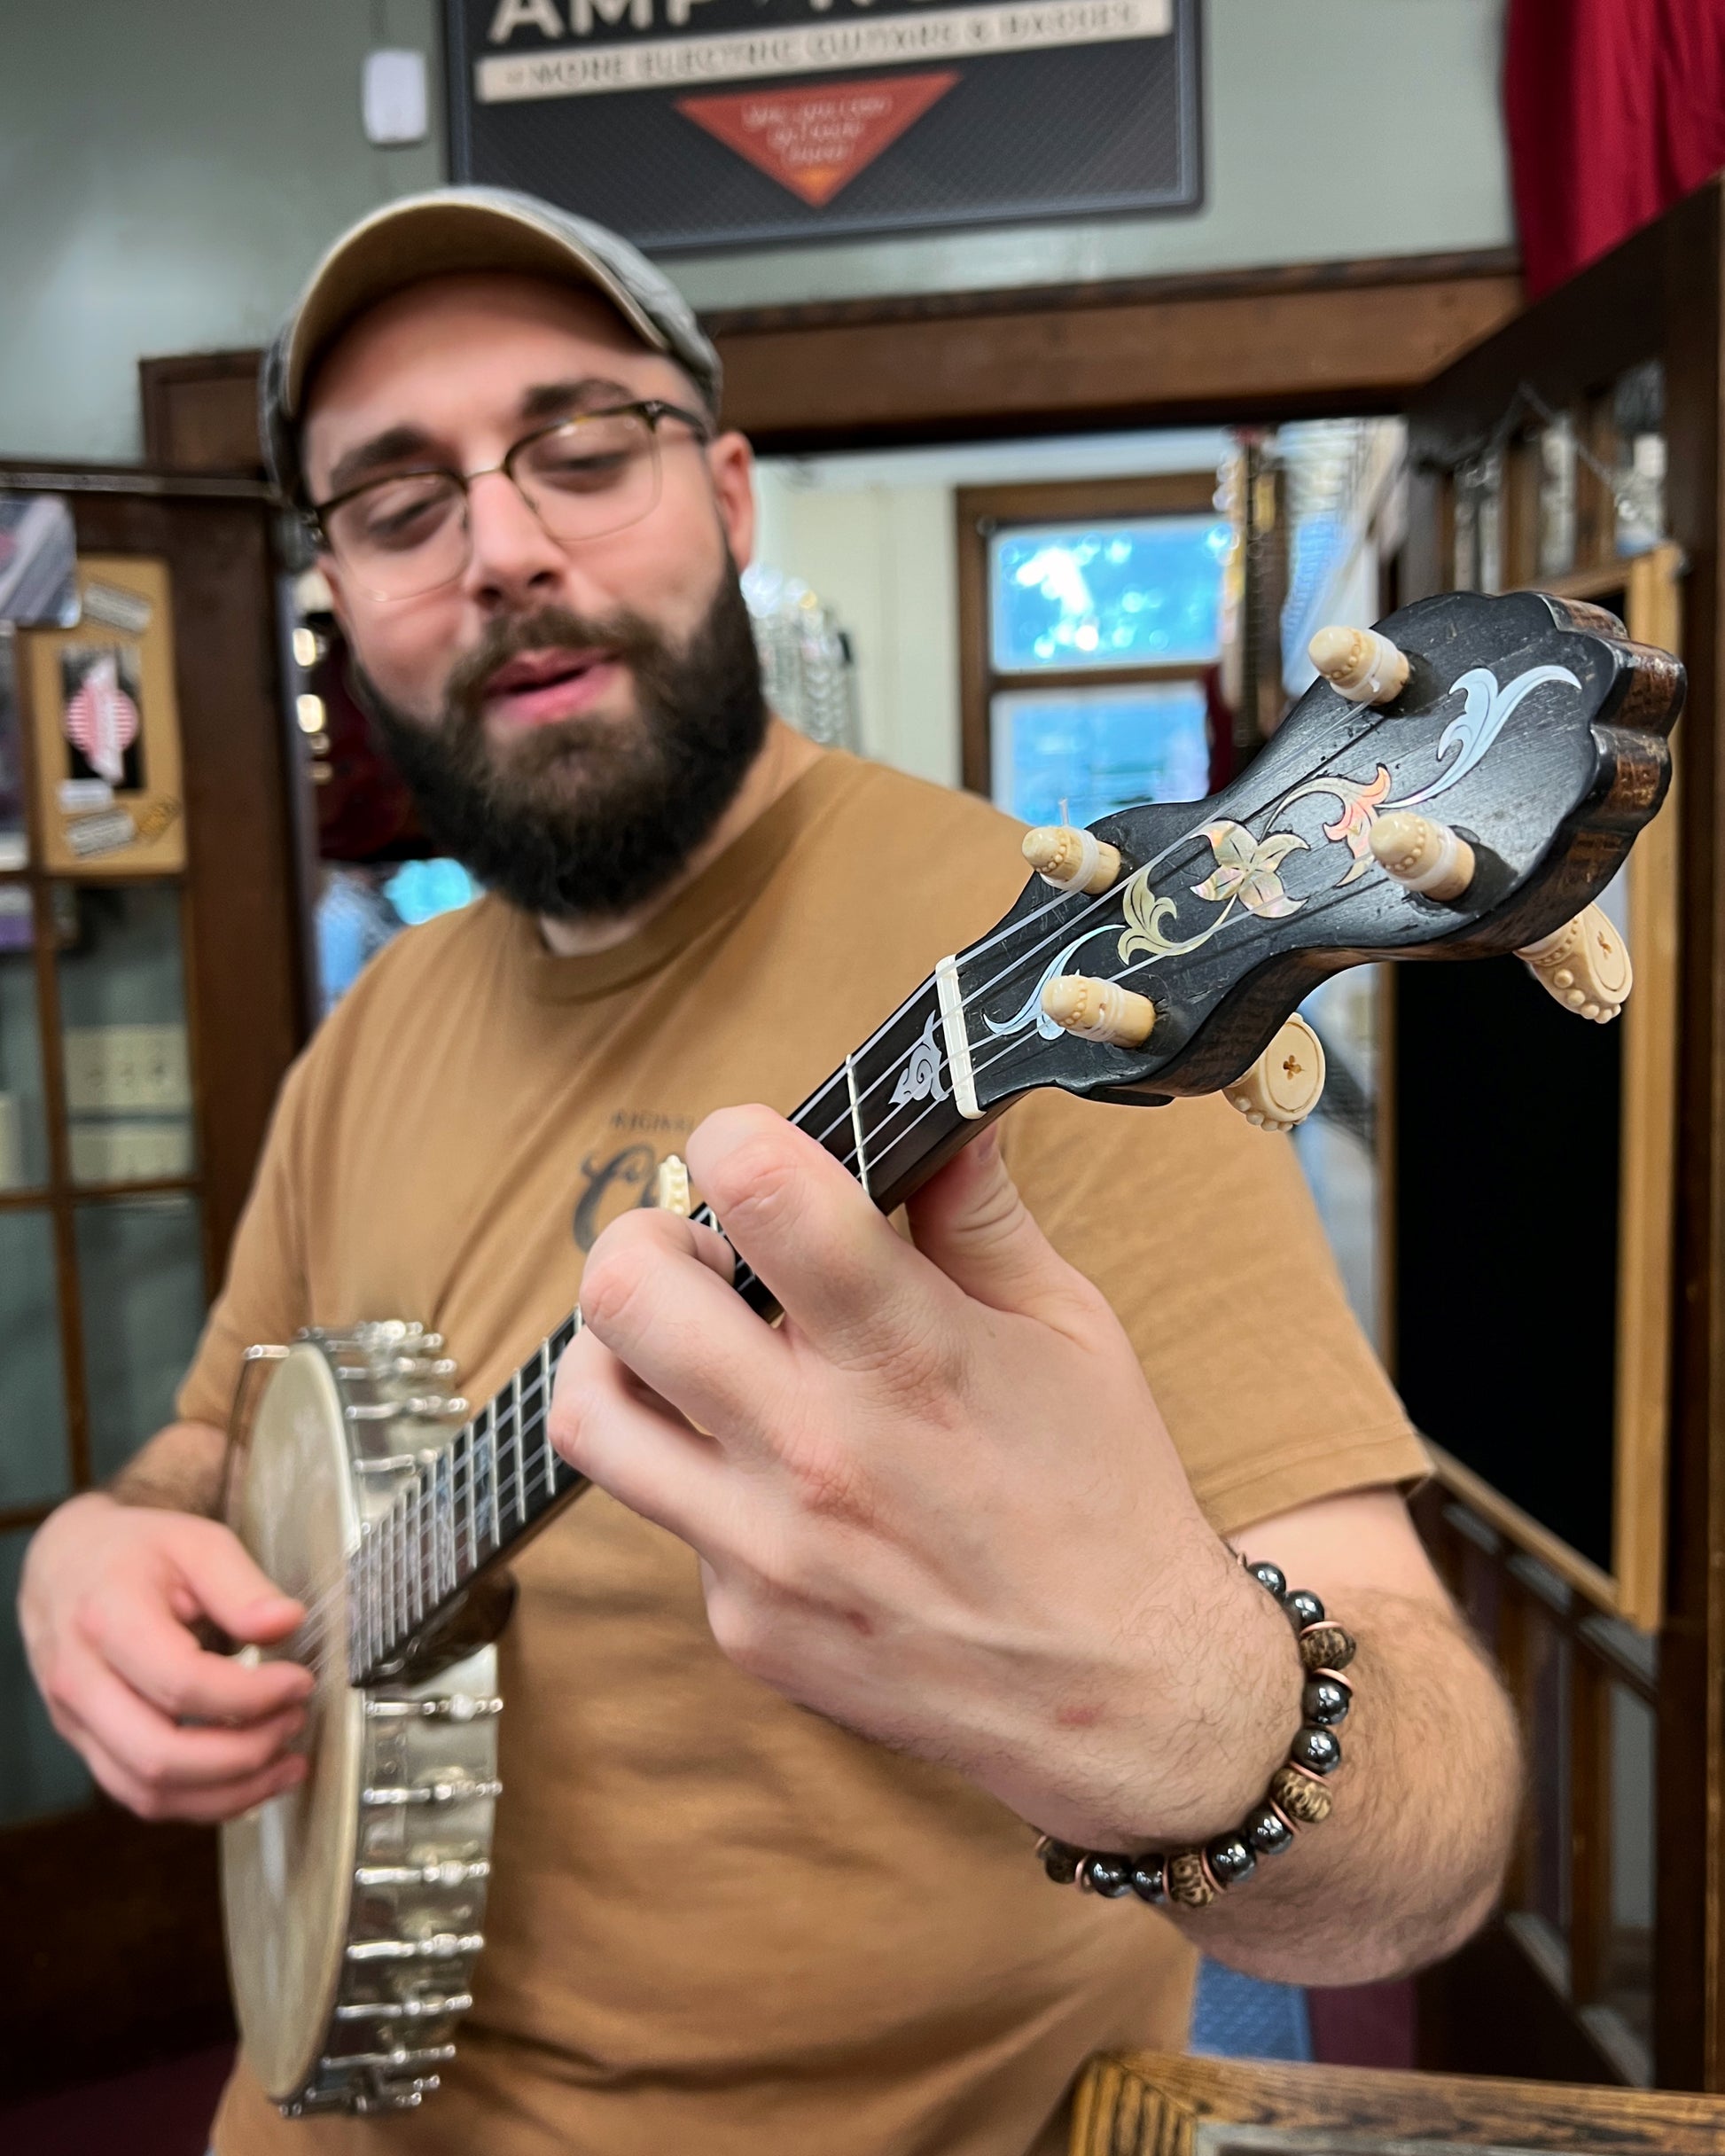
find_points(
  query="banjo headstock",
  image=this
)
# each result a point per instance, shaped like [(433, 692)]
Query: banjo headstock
[(1526, 746)]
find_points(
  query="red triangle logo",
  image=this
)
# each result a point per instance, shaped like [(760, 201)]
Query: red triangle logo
[(816, 139)]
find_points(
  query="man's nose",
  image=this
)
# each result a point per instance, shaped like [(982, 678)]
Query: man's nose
[(513, 557)]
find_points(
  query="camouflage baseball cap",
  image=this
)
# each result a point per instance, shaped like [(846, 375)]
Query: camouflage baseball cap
[(449, 229)]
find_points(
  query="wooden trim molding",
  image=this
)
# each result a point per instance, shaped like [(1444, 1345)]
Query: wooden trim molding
[(1221, 345), (1308, 338)]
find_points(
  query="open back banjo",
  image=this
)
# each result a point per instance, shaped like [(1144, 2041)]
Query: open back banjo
[(1460, 783)]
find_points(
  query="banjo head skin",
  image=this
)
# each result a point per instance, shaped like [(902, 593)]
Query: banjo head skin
[(353, 1904), (288, 1866)]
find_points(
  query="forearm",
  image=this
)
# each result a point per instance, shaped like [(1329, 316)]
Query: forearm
[(178, 1470), (1411, 1859)]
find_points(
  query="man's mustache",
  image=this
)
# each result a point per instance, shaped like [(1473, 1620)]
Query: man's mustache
[(550, 629)]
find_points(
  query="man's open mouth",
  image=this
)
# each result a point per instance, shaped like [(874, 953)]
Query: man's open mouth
[(537, 687)]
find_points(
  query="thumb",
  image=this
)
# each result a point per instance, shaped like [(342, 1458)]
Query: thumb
[(969, 1221), (226, 1585)]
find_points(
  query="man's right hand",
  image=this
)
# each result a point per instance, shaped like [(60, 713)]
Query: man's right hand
[(109, 1594)]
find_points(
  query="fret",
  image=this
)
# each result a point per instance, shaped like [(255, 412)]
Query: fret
[(387, 1620), (417, 1575), (461, 1471), (371, 1617), (486, 1431), (520, 1472), (443, 1525), (546, 1419)]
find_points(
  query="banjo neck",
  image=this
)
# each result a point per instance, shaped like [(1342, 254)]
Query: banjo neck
[(893, 1113)]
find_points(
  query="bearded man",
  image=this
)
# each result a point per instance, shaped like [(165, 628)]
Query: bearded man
[(972, 1503)]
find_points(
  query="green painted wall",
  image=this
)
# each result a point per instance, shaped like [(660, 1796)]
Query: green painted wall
[(171, 169)]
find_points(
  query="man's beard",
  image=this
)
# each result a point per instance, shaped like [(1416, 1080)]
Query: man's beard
[(588, 817)]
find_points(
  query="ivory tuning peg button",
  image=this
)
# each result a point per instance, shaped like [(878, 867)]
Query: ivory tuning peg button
[(671, 1191), (1099, 1010), (1426, 855), (1366, 666), (1285, 1085), (1072, 859), (1585, 965)]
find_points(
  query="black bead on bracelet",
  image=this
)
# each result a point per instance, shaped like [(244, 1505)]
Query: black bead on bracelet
[(1297, 1796)]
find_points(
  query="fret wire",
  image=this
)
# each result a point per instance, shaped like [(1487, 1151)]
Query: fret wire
[(491, 1447), (393, 1568), (385, 1522), (545, 1418), (368, 1597), (520, 1477), (444, 1528), (462, 1460), (418, 1544)]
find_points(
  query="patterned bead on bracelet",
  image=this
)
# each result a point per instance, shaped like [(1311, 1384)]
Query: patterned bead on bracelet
[(1297, 1796)]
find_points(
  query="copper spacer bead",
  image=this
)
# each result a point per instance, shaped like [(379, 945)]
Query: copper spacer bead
[(1189, 1881), (1326, 1646)]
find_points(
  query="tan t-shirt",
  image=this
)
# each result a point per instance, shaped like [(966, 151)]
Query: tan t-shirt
[(717, 1922)]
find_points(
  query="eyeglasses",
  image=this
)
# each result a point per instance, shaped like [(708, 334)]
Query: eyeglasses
[(583, 478)]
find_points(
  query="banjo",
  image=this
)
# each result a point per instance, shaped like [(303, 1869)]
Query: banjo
[(1462, 782)]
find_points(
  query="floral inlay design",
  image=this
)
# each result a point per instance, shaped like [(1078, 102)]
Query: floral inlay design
[(1248, 875), (1247, 870)]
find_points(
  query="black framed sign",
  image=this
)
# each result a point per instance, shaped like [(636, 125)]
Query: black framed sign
[(727, 123)]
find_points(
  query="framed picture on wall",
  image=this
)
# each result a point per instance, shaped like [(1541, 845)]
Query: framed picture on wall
[(109, 792)]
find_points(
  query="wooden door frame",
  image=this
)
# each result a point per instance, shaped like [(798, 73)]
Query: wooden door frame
[(121, 1956), (1661, 294)]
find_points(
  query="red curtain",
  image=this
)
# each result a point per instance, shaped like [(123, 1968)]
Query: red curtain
[(1614, 108)]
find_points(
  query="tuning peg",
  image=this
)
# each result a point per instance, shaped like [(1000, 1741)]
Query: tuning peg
[(1585, 965), (1072, 859), (1366, 666), (1099, 1010), (671, 1191), (1424, 854), (1283, 1085)]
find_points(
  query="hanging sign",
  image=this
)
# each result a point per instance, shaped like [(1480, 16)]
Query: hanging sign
[(725, 123)]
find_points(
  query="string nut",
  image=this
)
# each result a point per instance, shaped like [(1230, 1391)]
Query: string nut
[(1099, 1010), (1585, 965), (1425, 855), (1072, 859), (1285, 1084), (1364, 665), (671, 1191)]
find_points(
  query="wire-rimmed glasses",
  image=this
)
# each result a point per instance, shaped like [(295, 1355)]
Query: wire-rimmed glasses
[(585, 477)]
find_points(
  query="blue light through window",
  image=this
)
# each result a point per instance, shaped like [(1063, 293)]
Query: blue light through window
[(1068, 757), (1146, 593)]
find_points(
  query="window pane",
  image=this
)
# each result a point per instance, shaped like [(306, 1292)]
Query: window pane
[(23, 1125), (39, 1772), (141, 1283), (122, 1002), (1096, 750), (33, 1467), (1146, 593)]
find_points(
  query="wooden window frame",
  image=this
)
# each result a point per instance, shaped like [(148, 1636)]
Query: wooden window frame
[(981, 513)]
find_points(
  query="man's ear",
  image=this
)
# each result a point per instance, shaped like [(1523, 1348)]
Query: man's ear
[(732, 462)]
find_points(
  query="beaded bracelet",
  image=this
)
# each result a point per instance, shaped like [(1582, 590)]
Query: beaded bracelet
[(1297, 1797)]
